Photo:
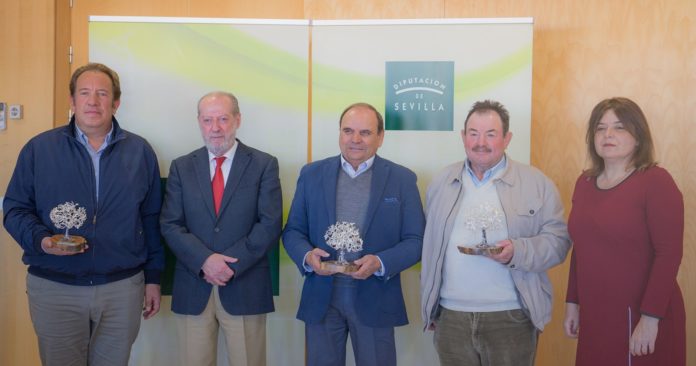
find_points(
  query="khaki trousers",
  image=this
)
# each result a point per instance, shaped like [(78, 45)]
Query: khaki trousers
[(245, 336), (85, 325)]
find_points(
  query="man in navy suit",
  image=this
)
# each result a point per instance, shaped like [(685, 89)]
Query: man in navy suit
[(221, 215), (382, 199)]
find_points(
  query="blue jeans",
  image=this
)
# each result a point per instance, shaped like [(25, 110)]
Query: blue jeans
[(498, 338)]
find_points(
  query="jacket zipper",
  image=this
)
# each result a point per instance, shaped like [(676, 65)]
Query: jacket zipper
[(442, 250), (95, 202)]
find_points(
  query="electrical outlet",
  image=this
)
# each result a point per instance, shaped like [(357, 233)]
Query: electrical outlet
[(3, 124), (16, 111)]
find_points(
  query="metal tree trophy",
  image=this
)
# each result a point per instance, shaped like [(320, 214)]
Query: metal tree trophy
[(483, 217), (344, 237), (68, 216)]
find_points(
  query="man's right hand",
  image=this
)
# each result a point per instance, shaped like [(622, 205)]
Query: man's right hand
[(314, 260), (216, 271), (49, 247)]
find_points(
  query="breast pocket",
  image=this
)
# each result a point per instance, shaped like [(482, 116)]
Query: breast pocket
[(388, 217), (528, 215)]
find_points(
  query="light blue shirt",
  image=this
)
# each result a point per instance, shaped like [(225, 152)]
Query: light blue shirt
[(94, 154), (488, 174), (362, 168)]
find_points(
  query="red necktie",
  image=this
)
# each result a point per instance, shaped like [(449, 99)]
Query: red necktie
[(218, 183)]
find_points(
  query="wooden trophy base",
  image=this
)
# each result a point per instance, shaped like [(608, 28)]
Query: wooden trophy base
[(480, 250), (73, 244), (339, 267)]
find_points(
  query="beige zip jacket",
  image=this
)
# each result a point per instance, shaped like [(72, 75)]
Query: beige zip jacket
[(536, 227)]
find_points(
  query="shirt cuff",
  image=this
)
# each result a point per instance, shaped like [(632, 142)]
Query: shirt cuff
[(380, 272), (307, 267)]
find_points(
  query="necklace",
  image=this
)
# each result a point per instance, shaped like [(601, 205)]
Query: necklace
[(605, 182)]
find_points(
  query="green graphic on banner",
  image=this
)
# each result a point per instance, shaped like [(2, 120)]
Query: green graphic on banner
[(419, 95)]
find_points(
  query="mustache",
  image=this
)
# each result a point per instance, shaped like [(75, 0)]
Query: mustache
[(481, 148)]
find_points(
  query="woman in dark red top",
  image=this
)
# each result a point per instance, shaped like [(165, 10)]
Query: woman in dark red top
[(627, 226)]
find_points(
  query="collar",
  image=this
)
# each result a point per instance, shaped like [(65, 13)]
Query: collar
[(82, 137), (362, 168), (488, 174), (507, 176)]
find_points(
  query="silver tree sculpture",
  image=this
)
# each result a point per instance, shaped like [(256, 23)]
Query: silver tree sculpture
[(68, 216), (344, 237), (484, 217)]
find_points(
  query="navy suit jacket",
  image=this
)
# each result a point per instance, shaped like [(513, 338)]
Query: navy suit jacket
[(249, 224), (393, 231)]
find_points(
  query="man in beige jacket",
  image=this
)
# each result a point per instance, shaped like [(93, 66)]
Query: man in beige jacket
[(488, 309)]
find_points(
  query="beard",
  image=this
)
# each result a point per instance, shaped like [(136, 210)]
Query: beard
[(218, 149)]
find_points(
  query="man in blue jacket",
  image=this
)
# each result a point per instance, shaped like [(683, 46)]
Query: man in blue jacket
[(86, 305), (381, 198)]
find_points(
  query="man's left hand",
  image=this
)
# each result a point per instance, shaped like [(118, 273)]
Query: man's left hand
[(368, 265), (506, 255), (151, 302)]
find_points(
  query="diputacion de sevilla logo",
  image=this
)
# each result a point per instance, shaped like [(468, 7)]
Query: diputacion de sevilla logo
[(419, 95)]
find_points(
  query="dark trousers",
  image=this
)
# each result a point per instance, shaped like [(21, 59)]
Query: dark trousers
[(326, 341), (498, 338)]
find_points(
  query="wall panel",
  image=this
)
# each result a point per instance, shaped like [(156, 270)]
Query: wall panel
[(270, 9), (26, 78), (374, 9), (583, 52)]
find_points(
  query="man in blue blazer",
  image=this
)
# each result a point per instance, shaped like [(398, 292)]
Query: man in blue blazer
[(221, 215), (382, 199)]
